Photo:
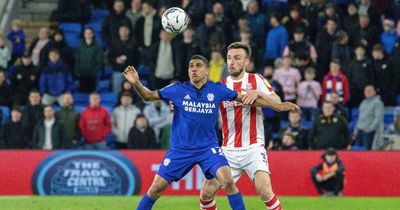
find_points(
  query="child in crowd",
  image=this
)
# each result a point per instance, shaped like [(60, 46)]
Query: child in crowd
[(308, 94), (17, 38)]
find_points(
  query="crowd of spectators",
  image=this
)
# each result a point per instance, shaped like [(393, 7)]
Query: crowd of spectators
[(334, 58)]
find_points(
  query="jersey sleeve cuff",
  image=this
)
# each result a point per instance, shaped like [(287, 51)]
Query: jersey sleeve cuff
[(160, 95)]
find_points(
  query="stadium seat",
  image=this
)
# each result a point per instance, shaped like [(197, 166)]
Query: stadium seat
[(80, 108), (307, 124), (144, 75), (358, 148), (389, 116), (6, 113), (284, 123), (72, 33), (98, 15), (352, 125), (108, 99), (103, 86), (81, 99), (354, 113)]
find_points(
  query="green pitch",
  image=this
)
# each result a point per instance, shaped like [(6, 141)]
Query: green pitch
[(189, 203)]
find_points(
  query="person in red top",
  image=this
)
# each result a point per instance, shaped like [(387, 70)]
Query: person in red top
[(95, 124), (335, 82)]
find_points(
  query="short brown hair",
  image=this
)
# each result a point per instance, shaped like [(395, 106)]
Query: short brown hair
[(241, 45), (378, 47)]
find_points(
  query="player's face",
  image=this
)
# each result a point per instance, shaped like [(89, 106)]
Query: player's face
[(198, 71), (237, 60)]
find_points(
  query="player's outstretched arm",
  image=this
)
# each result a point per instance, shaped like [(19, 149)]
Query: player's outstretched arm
[(256, 98), (132, 76)]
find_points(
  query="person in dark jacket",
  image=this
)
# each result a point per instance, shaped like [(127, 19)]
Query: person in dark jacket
[(329, 130), (114, 21), (24, 78), (123, 52), (66, 53), (32, 114), (351, 19), (328, 176), (141, 136), (49, 133), (69, 117), (89, 61), (188, 47), (208, 33), (72, 11), (147, 34), (5, 90), (384, 73), (295, 128), (341, 50), (40, 47), (360, 74), (396, 56), (364, 32), (323, 45), (56, 79), (12, 135)]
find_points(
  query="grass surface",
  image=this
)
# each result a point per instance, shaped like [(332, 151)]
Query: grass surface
[(189, 203)]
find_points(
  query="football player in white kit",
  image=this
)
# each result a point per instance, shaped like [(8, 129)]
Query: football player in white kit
[(243, 132)]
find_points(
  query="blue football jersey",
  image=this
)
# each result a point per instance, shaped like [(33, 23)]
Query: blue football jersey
[(195, 113)]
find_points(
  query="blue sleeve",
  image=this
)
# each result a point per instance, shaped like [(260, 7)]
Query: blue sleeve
[(43, 83), (170, 92), (284, 41), (225, 93)]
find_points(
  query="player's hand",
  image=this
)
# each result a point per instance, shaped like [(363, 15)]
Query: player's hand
[(250, 97), (288, 106), (131, 75)]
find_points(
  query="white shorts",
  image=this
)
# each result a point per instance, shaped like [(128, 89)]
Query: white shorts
[(251, 160)]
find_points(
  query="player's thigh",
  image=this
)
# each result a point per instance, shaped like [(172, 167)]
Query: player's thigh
[(176, 165), (256, 160), (211, 160), (235, 160)]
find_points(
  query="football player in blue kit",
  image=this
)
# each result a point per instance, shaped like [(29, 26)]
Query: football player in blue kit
[(193, 136)]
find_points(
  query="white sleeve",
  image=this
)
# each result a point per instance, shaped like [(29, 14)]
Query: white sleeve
[(263, 85)]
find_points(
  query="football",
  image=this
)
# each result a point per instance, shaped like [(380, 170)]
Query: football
[(174, 20)]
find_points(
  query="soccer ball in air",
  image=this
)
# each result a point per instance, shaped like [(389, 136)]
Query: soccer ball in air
[(174, 20)]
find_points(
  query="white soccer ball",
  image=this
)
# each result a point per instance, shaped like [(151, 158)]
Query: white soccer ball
[(174, 20)]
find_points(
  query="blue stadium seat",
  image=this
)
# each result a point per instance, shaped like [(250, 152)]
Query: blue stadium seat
[(81, 99), (108, 99), (358, 148), (98, 15), (307, 124), (354, 113), (103, 86), (284, 123), (6, 113), (389, 116), (80, 108), (106, 74), (144, 75), (72, 33), (352, 125)]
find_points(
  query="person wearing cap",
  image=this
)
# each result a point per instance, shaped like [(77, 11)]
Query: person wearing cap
[(300, 46), (12, 135), (122, 120), (388, 36), (24, 78), (328, 176)]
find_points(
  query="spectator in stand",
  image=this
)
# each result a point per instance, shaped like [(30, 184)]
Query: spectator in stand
[(134, 13), (195, 11), (388, 36), (396, 56), (341, 50), (324, 43), (89, 61), (329, 130), (309, 11), (242, 24), (66, 53), (328, 177), (297, 130), (300, 46), (5, 54), (112, 23), (294, 20), (289, 78), (308, 94), (351, 19), (270, 7), (55, 79), (5, 90), (335, 81), (370, 119), (32, 114), (218, 68), (364, 32), (302, 62), (384, 75), (40, 47), (24, 78), (329, 13), (123, 52), (165, 57), (360, 74), (256, 51), (69, 117), (339, 108), (148, 26), (122, 120), (17, 38), (12, 134), (188, 48), (257, 21), (392, 135), (141, 136), (95, 124), (157, 114), (207, 32), (366, 7), (136, 100), (222, 21), (72, 11), (275, 41), (49, 133), (288, 142)]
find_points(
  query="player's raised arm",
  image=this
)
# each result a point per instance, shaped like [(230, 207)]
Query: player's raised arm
[(132, 76), (257, 98)]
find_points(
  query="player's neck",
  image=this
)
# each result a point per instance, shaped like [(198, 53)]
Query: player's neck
[(198, 85), (238, 77)]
